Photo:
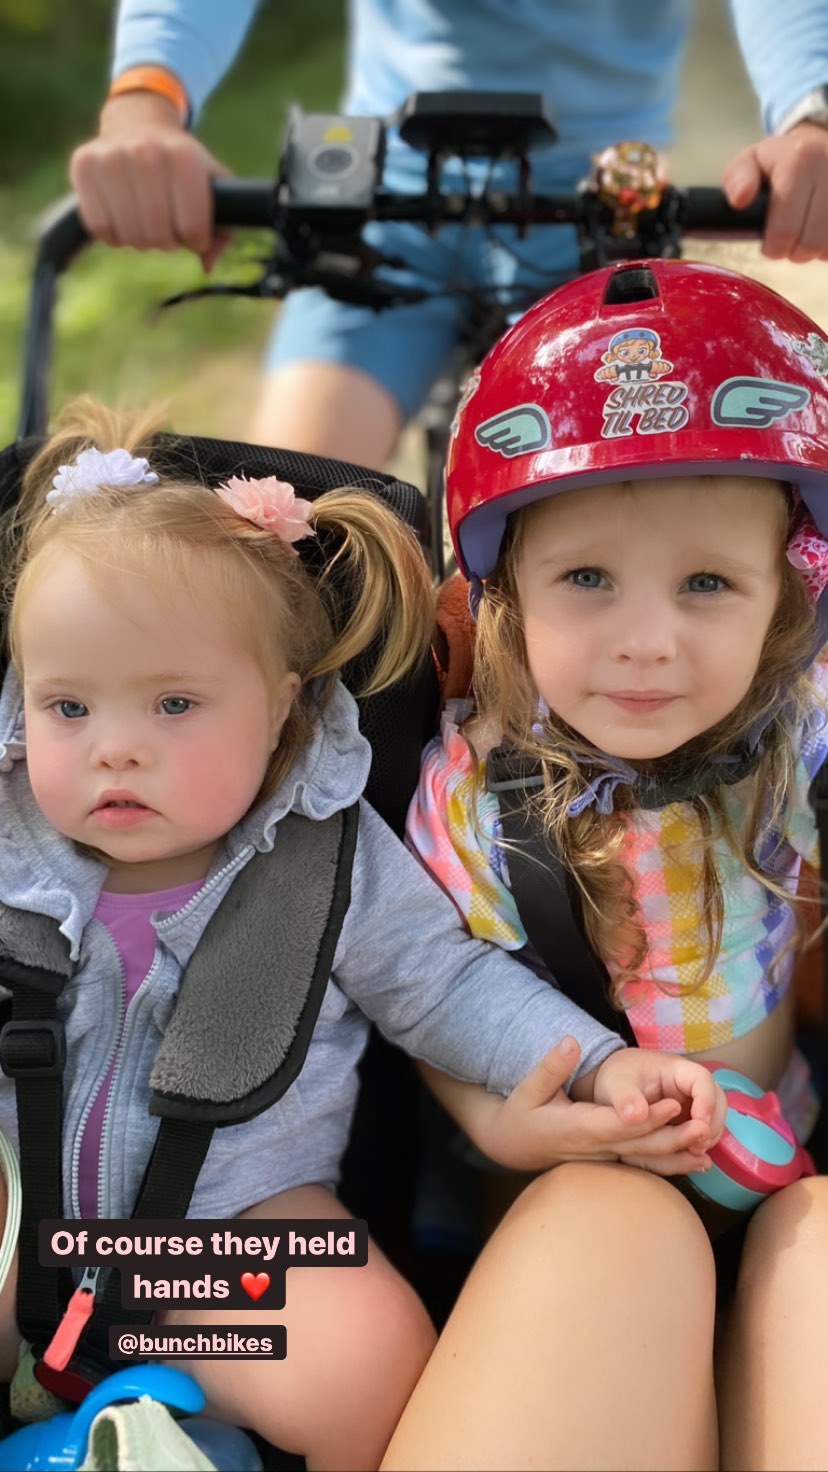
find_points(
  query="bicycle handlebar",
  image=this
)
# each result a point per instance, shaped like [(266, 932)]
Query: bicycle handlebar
[(238, 204), (252, 203)]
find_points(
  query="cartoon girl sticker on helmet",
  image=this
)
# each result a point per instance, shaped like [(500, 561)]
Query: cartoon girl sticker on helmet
[(634, 355), (642, 400)]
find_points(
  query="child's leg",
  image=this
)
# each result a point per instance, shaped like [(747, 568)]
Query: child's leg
[(773, 1406), (357, 1341), (583, 1337)]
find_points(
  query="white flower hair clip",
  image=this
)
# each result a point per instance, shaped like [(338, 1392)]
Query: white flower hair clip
[(271, 504), (94, 469)]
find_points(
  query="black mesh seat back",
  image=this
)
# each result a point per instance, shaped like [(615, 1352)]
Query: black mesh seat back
[(398, 721)]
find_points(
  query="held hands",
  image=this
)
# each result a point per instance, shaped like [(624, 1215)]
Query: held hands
[(659, 1111), (795, 165), (145, 181)]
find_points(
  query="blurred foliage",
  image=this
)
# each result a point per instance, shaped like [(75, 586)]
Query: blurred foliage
[(111, 339), (54, 57)]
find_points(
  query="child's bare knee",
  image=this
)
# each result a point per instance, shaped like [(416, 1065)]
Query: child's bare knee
[(642, 1216), (365, 1371), (798, 1215)]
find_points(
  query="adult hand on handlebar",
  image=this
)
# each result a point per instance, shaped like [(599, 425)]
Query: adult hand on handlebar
[(146, 182), (795, 165)]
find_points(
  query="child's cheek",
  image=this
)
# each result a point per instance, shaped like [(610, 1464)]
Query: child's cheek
[(55, 783), (209, 789)]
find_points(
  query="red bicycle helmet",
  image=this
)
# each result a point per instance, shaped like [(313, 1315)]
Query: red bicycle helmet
[(643, 369)]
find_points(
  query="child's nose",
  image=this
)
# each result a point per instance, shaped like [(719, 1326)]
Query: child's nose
[(642, 631), (118, 748)]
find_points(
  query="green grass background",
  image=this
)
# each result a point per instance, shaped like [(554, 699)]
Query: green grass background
[(110, 338)]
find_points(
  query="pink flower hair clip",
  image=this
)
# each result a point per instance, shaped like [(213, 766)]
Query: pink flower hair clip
[(271, 504), (807, 550)]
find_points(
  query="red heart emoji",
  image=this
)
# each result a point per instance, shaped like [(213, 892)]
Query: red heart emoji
[(255, 1284)]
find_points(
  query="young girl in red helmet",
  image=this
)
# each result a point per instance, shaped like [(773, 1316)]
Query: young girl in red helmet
[(638, 494)]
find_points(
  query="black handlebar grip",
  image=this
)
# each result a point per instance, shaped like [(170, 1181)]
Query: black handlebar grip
[(237, 202), (244, 202), (707, 210)]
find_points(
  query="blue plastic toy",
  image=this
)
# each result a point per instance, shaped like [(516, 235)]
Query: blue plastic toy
[(61, 1442)]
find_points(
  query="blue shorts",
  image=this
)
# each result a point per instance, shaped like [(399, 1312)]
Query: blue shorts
[(405, 347)]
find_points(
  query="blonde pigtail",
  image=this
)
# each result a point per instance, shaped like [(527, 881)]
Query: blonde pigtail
[(394, 602)]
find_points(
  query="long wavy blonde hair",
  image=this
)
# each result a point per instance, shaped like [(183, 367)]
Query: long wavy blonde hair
[(591, 844), (288, 618)]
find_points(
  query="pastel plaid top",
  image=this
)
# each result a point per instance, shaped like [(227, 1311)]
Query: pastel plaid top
[(455, 834)]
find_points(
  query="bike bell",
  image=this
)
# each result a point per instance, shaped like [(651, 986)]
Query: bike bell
[(758, 1152)]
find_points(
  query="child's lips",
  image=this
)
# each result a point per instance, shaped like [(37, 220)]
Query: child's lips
[(119, 809), (113, 816), (641, 702)]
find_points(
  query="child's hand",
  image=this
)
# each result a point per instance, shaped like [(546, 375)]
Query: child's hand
[(636, 1080), (538, 1126)]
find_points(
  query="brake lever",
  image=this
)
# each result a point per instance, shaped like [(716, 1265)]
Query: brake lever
[(356, 291), (256, 289)]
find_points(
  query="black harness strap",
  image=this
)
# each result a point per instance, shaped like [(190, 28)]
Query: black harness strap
[(288, 902), (33, 1053), (545, 895), (166, 1191)]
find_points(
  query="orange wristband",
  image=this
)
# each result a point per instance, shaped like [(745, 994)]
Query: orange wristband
[(153, 79)]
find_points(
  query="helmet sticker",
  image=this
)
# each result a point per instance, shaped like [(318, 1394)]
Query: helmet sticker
[(517, 432), (632, 356), (755, 403), (633, 362), (814, 348), (467, 393)]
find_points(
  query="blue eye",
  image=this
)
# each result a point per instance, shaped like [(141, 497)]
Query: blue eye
[(586, 577), (706, 582), (176, 705), (72, 710)]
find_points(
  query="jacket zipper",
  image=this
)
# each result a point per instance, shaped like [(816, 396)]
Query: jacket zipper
[(106, 1134), (89, 1105), (125, 1016)]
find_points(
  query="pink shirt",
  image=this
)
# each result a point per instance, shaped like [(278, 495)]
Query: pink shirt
[(127, 918)]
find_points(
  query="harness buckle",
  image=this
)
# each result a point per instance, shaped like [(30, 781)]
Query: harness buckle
[(33, 1049), (74, 1382)]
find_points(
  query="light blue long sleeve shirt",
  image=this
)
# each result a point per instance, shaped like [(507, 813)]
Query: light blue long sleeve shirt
[(610, 67)]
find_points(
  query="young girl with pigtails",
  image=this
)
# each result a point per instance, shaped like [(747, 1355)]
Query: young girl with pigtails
[(648, 567), (172, 699)]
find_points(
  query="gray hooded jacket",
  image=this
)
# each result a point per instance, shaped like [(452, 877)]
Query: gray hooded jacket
[(403, 959)]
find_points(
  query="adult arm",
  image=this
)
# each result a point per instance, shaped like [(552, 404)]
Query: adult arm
[(145, 180), (196, 40), (785, 48)]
